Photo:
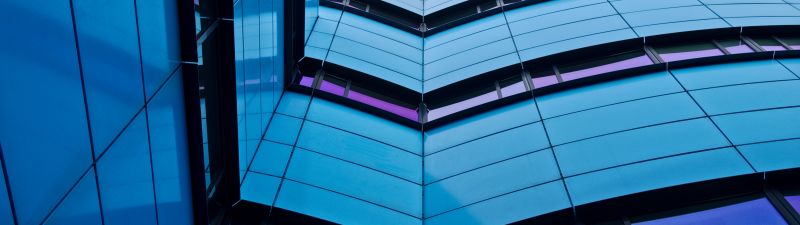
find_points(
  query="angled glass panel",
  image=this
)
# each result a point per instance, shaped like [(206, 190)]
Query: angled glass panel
[(283, 129), (602, 65), (485, 151), (543, 78), (111, 70), (621, 117), (80, 206), (606, 93), (732, 73), (655, 174), (767, 125), (382, 102), (794, 201), (271, 158), (5, 205), (260, 188), (125, 176), (158, 36), (688, 51), (772, 155), (734, 45), (511, 86), (295, 104), (337, 208), (758, 211), (748, 97), (509, 208), (461, 103), (340, 176), (793, 42), (486, 182)]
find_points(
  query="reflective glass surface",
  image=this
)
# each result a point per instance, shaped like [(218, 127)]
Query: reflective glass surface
[(688, 51), (592, 68), (794, 201), (793, 42), (385, 105), (735, 46), (462, 105), (544, 81), (758, 211), (769, 44)]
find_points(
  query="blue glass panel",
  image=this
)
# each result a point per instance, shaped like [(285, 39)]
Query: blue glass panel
[(621, 117), (329, 13), (508, 208), (381, 28), (497, 179), (469, 71), (794, 201), (293, 104), (666, 28), (560, 18), (731, 73), (667, 15), (607, 93), (792, 64), (761, 21), (375, 70), (748, 97), (339, 176), (42, 98), (480, 125), (365, 124), (170, 154), (743, 128), (485, 151), (379, 41), (625, 6), (465, 43), (337, 208), (360, 150), (469, 57), (260, 188), (271, 158), (758, 211), (111, 70), (568, 31), (81, 205), (655, 174), (752, 10), (544, 8), (463, 31), (378, 56), (772, 155), (126, 182), (573, 43), (5, 205), (636, 145), (158, 34), (283, 129)]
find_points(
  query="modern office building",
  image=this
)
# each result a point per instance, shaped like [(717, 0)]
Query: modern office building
[(436, 112)]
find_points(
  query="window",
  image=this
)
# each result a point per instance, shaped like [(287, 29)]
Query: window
[(511, 86), (688, 51), (472, 99), (769, 44), (382, 102), (544, 78), (793, 42), (734, 45), (333, 85), (605, 64), (758, 211), (794, 201)]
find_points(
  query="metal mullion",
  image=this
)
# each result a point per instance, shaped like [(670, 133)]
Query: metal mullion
[(653, 54), (752, 44), (558, 74), (720, 47), (347, 88), (526, 80), (776, 198), (782, 43), (497, 89)]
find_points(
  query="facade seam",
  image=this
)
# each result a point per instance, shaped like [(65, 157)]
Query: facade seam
[(623, 18), (715, 13)]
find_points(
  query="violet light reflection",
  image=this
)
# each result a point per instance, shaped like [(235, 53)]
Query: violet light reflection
[(621, 65), (671, 57), (773, 47), (539, 82), (794, 201), (739, 49), (306, 81), (331, 88), (384, 105), (758, 211), (513, 89), (462, 105)]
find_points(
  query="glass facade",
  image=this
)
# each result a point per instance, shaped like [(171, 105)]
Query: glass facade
[(93, 124), (758, 211)]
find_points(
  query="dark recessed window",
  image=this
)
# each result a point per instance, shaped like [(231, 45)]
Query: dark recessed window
[(383, 102), (605, 64), (543, 78), (758, 211), (769, 44), (793, 42), (358, 5), (511, 86), (688, 51), (484, 6), (508, 2), (465, 101), (734, 45), (333, 85)]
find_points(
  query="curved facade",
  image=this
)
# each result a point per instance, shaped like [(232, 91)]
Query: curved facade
[(427, 63)]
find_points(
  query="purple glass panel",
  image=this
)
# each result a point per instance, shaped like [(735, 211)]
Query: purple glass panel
[(331, 88), (773, 47), (794, 201), (795, 47), (306, 81), (539, 82), (758, 211), (621, 65), (513, 89), (671, 57), (739, 49), (384, 105), (462, 105)]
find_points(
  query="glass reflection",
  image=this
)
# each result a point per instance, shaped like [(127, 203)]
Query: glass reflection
[(366, 97), (735, 46), (333, 85), (306, 81), (793, 42), (769, 44), (605, 65), (487, 95), (794, 201), (758, 211), (688, 51), (511, 86), (539, 82)]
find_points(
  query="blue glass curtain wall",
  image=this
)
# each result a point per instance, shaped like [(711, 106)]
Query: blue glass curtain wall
[(93, 124)]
